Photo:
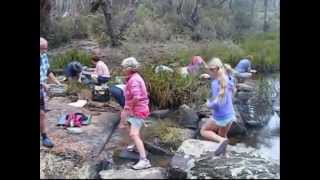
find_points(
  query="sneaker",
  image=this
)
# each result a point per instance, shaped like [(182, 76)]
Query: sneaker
[(142, 164), (222, 147), (47, 143), (131, 147)]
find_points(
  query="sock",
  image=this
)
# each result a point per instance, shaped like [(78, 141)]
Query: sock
[(44, 135), (143, 158)]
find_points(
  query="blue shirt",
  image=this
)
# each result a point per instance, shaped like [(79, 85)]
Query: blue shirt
[(44, 67), (243, 66), (71, 70), (224, 108)]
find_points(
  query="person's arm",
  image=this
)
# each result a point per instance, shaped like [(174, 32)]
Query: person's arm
[(136, 92)]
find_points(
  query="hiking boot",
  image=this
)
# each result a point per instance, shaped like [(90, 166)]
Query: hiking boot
[(47, 142), (142, 164)]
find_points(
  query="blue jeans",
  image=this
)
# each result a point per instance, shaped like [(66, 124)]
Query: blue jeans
[(102, 80), (118, 94)]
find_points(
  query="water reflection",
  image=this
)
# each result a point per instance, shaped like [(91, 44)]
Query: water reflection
[(261, 109)]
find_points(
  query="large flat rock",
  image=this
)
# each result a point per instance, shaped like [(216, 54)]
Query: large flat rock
[(151, 173), (86, 143), (194, 160), (73, 151)]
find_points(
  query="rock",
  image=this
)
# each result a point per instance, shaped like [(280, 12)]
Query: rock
[(183, 71), (193, 160), (163, 68), (204, 111), (244, 87), (238, 127), (244, 96), (188, 117), (151, 173), (160, 113), (57, 90), (130, 155), (154, 149)]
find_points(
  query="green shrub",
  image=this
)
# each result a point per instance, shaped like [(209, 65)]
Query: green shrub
[(170, 90), (166, 130), (265, 48), (60, 61)]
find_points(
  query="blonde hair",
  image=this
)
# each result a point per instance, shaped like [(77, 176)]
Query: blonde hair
[(130, 63), (221, 77), (229, 69)]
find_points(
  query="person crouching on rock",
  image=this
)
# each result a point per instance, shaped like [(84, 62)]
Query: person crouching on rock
[(243, 69), (136, 107), (223, 114), (73, 71), (101, 72)]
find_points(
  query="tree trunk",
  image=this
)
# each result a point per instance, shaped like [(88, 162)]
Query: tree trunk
[(253, 6), (230, 5), (45, 9), (107, 11), (265, 24)]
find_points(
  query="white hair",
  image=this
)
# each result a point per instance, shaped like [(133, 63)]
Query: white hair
[(130, 62), (43, 42)]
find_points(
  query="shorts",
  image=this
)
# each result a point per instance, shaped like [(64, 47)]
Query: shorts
[(135, 121), (223, 122)]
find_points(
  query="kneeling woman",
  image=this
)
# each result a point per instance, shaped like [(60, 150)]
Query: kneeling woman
[(216, 129), (136, 108)]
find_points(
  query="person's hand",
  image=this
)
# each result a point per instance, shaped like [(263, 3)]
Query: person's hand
[(204, 76), (45, 87)]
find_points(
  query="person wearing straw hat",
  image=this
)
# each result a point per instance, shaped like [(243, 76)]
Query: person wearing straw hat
[(223, 114), (136, 108)]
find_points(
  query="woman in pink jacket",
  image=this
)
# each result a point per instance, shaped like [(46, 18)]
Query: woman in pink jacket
[(136, 108)]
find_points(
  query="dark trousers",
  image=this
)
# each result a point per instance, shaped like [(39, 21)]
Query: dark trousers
[(118, 94)]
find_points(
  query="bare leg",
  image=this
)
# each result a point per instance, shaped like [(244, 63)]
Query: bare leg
[(123, 117), (209, 131), (135, 136), (42, 121), (223, 131)]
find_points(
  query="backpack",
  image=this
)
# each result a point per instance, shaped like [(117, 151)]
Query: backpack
[(73, 118)]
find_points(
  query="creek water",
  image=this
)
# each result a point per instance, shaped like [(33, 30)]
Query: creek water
[(266, 139)]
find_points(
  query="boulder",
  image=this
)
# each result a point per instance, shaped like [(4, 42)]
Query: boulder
[(160, 113), (151, 173), (244, 87), (188, 117), (57, 90), (194, 160), (163, 68), (130, 155)]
